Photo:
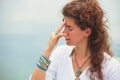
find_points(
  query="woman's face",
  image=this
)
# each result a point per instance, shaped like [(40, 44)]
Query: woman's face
[(74, 35)]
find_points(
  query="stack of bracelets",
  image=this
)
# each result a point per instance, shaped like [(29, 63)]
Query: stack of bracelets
[(43, 63)]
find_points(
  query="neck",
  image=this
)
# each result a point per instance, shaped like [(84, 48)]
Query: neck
[(82, 51)]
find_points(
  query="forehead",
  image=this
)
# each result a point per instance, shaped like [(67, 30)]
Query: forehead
[(70, 22)]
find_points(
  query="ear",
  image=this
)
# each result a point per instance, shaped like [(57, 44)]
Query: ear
[(87, 31)]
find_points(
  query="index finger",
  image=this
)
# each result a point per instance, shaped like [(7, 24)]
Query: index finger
[(60, 27)]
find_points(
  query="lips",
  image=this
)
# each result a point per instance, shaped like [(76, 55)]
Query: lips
[(67, 39)]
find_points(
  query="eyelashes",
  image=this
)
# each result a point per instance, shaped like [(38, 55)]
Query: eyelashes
[(68, 28)]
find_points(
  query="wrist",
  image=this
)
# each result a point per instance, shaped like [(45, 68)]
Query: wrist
[(47, 52)]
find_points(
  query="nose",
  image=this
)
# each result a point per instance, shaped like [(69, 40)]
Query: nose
[(65, 31)]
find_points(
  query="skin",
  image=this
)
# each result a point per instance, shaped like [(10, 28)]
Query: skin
[(79, 38), (38, 74), (73, 36)]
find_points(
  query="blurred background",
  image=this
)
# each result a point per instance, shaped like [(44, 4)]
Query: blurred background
[(25, 27)]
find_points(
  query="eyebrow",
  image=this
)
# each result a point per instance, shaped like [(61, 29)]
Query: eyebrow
[(69, 26)]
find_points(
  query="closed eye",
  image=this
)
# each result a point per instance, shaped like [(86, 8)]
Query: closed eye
[(69, 28)]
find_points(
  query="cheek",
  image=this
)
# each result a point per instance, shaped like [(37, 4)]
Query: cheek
[(77, 36)]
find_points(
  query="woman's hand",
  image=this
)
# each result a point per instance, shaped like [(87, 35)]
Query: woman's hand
[(39, 74), (55, 36)]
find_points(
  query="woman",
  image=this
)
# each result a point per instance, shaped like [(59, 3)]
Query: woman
[(87, 55)]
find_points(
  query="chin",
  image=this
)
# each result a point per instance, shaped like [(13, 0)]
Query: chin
[(70, 44)]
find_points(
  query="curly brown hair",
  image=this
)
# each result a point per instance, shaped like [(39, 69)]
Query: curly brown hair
[(89, 14)]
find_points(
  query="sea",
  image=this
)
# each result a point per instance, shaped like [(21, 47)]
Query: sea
[(19, 54)]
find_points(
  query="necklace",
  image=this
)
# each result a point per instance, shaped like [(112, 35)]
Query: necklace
[(78, 73)]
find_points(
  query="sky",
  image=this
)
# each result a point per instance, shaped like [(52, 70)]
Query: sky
[(25, 27), (19, 16)]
